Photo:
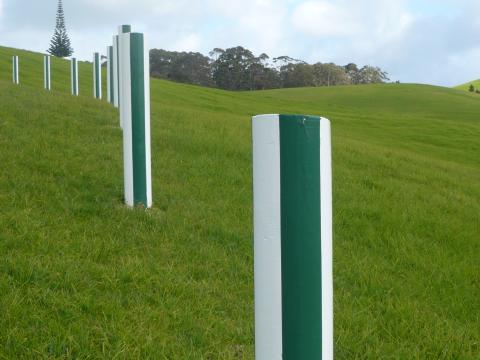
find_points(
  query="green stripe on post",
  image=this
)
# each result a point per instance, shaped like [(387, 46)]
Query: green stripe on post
[(110, 75), (137, 61), (97, 76), (301, 247)]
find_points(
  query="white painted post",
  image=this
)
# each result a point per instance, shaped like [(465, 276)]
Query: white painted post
[(135, 117), (74, 76), (97, 76), (15, 70), (46, 73), (122, 29), (292, 185)]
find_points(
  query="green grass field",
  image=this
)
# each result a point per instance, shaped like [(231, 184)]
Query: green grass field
[(83, 277), (466, 86)]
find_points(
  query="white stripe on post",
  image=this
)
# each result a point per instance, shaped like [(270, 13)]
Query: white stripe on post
[(15, 70), (74, 76), (97, 76), (267, 251), (122, 29), (126, 114), (326, 201), (46, 73), (135, 117)]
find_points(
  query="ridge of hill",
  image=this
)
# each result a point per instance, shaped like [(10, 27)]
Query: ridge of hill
[(466, 86), (81, 276)]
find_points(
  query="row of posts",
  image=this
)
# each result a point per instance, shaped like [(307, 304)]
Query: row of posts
[(47, 74), (292, 186), (128, 88)]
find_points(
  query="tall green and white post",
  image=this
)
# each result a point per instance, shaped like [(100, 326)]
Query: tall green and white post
[(47, 79), (122, 29), (135, 117), (74, 76), (292, 183), (110, 86), (97, 76), (15, 70)]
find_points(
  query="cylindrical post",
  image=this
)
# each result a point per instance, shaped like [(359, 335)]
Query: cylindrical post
[(122, 29), (46, 73), (74, 76), (292, 184), (15, 70), (110, 87), (135, 117), (97, 76)]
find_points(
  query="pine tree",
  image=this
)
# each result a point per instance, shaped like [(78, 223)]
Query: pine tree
[(60, 45)]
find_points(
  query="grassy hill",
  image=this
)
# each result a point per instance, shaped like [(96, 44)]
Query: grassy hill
[(81, 276), (466, 86)]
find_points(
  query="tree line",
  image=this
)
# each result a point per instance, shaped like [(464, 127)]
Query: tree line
[(238, 68)]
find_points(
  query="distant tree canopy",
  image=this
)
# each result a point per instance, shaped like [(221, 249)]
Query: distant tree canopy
[(60, 45), (238, 68)]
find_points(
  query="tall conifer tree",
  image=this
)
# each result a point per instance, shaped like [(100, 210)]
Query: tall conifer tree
[(60, 45)]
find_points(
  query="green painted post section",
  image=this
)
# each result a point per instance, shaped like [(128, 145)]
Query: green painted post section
[(110, 74), (138, 118), (97, 74), (125, 29), (300, 229)]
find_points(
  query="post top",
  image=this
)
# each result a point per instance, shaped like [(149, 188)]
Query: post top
[(123, 29), (289, 117)]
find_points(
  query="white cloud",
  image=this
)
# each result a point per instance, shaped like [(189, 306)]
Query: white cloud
[(323, 18), (190, 42), (260, 25)]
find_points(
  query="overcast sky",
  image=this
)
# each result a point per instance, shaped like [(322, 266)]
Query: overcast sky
[(422, 41)]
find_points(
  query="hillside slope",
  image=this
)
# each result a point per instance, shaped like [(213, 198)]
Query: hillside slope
[(81, 276), (466, 86)]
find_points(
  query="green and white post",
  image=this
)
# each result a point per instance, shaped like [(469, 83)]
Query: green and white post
[(292, 184), (15, 70), (135, 117), (74, 76), (122, 29), (46, 73), (110, 87), (97, 76)]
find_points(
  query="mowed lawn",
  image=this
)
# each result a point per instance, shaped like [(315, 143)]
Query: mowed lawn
[(83, 277)]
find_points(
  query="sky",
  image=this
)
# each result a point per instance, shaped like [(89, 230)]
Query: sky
[(420, 41)]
